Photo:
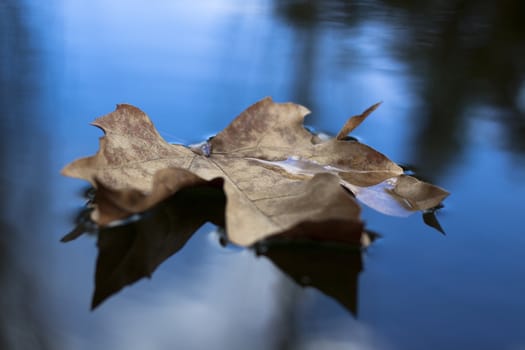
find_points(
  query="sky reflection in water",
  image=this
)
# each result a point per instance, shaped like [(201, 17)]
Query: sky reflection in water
[(452, 81)]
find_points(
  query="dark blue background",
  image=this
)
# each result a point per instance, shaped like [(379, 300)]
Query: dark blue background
[(451, 76)]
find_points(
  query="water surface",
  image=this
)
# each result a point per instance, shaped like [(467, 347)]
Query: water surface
[(452, 80)]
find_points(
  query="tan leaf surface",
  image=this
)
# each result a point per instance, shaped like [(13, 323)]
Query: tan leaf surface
[(130, 153), (136, 169)]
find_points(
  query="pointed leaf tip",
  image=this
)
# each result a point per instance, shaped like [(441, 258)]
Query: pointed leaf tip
[(355, 121)]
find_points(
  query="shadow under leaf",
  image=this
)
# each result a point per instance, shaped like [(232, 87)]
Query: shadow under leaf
[(130, 252)]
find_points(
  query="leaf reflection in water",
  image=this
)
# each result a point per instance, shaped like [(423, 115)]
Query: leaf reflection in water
[(332, 268), (134, 250)]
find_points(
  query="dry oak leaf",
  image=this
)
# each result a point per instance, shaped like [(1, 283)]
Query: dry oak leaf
[(135, 168)]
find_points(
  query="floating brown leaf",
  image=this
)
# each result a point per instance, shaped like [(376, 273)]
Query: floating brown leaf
[(278, 178)]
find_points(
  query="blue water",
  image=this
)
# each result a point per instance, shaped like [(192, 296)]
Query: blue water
[(452, 83)]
